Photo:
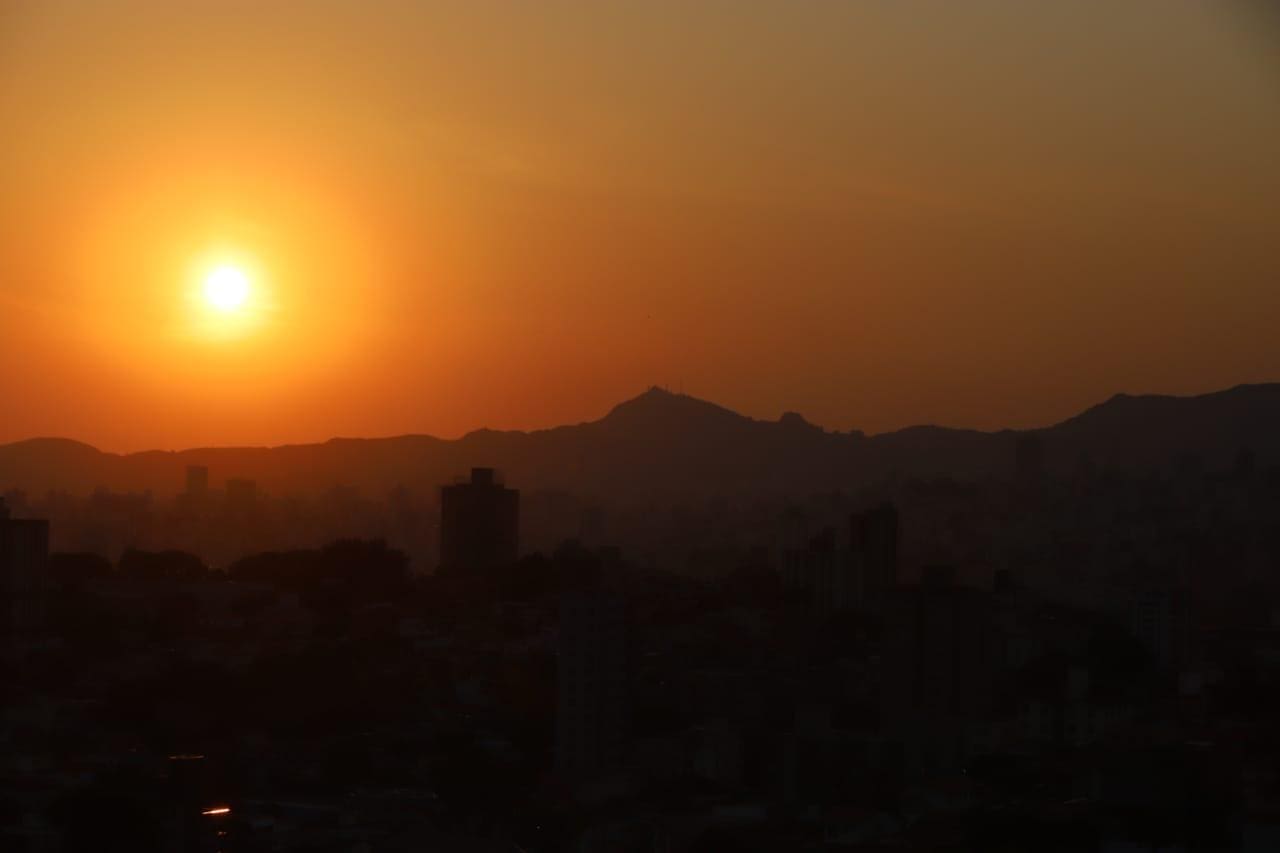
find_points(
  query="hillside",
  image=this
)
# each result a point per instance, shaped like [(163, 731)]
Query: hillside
[(663, 444)]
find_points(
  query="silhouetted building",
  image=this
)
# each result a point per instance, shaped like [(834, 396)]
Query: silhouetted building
[(873, 550), (197, 482), (938, 659), (194, 499), (838, 578), (1159, 620), (24, 552), (829, 573), (592, 673), (479, 523), (800, 563)]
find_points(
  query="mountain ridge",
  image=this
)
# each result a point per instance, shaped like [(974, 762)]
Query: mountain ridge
[(662, 443)]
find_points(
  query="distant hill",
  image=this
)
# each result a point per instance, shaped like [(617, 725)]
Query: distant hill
[(661, 444)]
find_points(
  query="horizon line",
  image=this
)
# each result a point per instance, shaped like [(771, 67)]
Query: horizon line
[(664, 390)]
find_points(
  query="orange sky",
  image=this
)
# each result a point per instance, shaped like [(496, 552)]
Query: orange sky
[(510, 214)]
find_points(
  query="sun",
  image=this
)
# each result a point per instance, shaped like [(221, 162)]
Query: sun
[(226, 288), (229, 295)]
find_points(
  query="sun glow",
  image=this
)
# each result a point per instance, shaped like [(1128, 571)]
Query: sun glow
[(226, 288), (230, 295)]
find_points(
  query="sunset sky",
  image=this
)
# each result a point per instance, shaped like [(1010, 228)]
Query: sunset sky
[(516, 214)]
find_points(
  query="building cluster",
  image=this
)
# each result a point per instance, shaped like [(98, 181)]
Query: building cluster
[(1089, 664), (24, 552), (479, 523), (855, 574)]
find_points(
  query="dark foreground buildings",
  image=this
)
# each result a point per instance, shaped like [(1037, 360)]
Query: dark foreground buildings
[(592, 674), (858, 577), (873, 541), (479, 523), (24, 551), (682, 693), (938, 653)]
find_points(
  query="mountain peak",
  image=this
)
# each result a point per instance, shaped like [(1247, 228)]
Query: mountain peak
[(660, 405), (656, 393), (796, 422), (53, 444)]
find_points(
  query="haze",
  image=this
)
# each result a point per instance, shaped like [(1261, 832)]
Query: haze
[(514, 215)]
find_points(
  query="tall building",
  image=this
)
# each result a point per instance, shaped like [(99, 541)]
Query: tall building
[(479, 523), (873, 552), (24, 552), (825, 571), (592, 683), (939, 656), (194, 500), (197, 482), (839, 578), (1159, 618)]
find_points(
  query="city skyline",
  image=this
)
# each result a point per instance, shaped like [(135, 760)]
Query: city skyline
[(648, 426)]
